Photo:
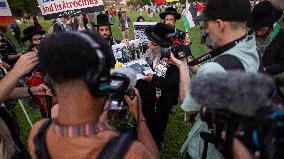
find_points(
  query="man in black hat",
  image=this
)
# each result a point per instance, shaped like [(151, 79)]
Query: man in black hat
[(159, 91), (170, 16), (269, 36), (34, 36), (104, 29)]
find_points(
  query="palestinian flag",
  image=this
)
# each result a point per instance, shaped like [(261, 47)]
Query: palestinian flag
[(200, 8), (188, 17), (5, 13)]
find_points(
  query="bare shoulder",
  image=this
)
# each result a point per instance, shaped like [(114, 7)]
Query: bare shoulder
[(138, 151)]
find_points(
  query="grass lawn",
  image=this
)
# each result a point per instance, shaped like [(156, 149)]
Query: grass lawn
[(177, 129)]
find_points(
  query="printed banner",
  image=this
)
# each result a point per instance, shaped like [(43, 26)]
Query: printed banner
[(134, 50), (56, 8), (139, 28), (5, 13)]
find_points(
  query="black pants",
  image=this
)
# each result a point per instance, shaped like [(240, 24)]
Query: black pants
[(157, 121)]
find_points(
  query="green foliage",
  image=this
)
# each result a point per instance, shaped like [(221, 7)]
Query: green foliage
[(139, 2), (18, 6)]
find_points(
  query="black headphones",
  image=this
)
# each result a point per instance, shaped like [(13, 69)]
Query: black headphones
[(97, 79)]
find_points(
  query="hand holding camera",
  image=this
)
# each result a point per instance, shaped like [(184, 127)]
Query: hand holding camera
[(134, 105)]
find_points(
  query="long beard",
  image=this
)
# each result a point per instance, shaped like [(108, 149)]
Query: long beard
[(151, 55)]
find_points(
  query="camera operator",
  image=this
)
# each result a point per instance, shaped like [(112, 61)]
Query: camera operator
[(237, 51), (159, 91), (81, 74), (239, 106)]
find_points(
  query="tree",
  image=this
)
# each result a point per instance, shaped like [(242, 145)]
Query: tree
[(19, 6)]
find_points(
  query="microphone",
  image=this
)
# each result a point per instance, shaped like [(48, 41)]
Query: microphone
[(239, 92), (123, 78)]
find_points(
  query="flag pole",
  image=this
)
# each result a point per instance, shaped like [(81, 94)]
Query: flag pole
[(25, 112)]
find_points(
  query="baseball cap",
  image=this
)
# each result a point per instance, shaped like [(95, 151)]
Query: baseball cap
[(227, 10)]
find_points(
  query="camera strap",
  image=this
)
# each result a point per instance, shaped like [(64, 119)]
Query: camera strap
[(215, 52), (208, 137)]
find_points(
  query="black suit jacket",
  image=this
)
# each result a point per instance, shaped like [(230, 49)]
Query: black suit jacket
[(273, 57)]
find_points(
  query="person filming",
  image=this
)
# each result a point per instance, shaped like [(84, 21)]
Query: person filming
[(81, 75)]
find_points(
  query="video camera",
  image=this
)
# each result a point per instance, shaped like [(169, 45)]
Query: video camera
[(263, 133), (122, 80), (240, 105), (179, 46), (119, 84)]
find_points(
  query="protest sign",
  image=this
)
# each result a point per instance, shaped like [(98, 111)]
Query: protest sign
[(56, 8), (5, 13), (133, 51), (141, 67), (139, 28)]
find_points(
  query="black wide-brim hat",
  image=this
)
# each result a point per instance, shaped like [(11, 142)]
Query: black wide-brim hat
[(171, 11), (102, 20), (159, 34), (263, 15), (30, 32)]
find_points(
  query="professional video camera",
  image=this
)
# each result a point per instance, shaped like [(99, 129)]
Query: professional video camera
[(179, 46), (237, 104), (262, 134), (122, 80)]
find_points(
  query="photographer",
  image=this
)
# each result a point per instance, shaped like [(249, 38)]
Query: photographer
[(236, 51), (239, 106), (159, 91), (81, 129)]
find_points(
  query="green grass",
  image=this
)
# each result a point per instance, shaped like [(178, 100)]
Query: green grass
[(177, 130)]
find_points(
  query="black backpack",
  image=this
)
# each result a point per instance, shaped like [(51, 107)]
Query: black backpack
[(116, 148)]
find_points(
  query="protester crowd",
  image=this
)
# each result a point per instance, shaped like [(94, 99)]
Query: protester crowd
[(232, 98)]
